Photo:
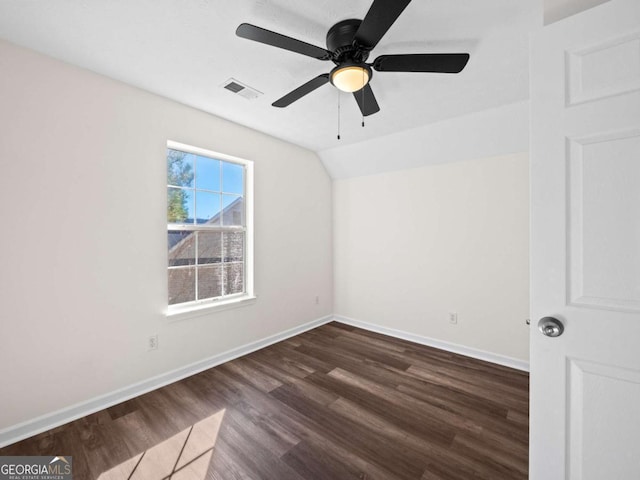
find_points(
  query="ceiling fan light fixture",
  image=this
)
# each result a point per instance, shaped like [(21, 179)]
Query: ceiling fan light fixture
[(350, 78)]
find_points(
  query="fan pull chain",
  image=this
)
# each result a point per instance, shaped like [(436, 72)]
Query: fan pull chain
[(362, 90), (338, 114)]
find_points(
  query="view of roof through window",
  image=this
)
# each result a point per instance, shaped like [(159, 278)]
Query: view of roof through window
[(206, 227)]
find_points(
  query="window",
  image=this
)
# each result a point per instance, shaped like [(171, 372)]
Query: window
[(208, 226)]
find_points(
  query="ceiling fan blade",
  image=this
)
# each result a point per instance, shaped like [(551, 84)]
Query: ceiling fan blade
[(366, 101), (268, 37), (301, 91), (378, 20), (422, 62)]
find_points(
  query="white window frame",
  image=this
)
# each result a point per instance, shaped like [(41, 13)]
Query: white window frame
[(205, 306)]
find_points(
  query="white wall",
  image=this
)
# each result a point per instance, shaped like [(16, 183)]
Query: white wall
[(487, 133), (555, 10), (83, 243), (412, 245)]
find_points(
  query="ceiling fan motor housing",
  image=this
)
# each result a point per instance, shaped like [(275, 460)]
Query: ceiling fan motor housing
[(340, 42)]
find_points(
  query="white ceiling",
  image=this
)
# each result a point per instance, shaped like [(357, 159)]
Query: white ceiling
[(185, 50)]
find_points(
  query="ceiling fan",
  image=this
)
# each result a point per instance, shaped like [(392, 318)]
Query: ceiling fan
[(348, 45)]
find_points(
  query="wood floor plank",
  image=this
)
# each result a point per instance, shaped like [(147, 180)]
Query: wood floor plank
[(411, 422), (343, 431), (257, 461), (258, 378), (516, 402), (334, 403), (320, 438), (511, 466), (490, 422), (311, 461), (413, 408)]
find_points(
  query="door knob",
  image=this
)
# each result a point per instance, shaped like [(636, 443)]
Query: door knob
[(550, 327)]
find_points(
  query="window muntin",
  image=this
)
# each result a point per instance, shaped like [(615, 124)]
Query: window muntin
[(207, 226)]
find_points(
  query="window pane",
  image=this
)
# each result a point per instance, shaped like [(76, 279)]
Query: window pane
[(208, 208), (182, 249), (209, 282), (233, 278), (209, 247), (233, 210), (179, 205), (233, 246), (179, 168), (182, 285), (232, 178), (208, 173), (203, 192)]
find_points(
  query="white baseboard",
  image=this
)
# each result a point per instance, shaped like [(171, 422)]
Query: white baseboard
[(46, 422), (442, 345)]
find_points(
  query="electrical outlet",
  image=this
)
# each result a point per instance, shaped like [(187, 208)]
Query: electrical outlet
[(453, 318), (152, 342), (317, 299)]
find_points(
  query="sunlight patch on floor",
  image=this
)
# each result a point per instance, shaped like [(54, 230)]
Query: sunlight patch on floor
[(184, 456)]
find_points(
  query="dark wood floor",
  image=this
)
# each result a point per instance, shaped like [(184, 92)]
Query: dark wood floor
[(333, 403)]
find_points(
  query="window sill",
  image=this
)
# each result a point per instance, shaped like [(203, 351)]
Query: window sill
[(175, 314)]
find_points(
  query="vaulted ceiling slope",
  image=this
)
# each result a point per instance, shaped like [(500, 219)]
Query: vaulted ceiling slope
[(185, 50)]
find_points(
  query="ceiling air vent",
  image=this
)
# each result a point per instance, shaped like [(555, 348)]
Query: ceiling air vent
[(241, 89)]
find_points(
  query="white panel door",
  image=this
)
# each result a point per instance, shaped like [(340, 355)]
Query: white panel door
[(585, 245)]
